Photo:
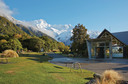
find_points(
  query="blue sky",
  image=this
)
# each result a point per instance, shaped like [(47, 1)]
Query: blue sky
[(93, 14)]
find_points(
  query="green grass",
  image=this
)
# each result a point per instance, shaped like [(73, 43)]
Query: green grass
[(33, 68)]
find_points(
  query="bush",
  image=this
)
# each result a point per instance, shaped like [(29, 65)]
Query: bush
[(25, 49), (34, 44), (14, 44), (70, 55), (66, 50), (44, 54), (10, 53)]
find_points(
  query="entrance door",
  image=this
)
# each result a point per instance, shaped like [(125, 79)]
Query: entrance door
[(100, 52)]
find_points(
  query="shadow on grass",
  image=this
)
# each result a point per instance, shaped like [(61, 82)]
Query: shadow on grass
[(69, 72), (88, 78), (4, 62), (36, 57), (58, 67)]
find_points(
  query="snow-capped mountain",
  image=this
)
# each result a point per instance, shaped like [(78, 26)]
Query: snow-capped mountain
[(61, 33), (93, 34)]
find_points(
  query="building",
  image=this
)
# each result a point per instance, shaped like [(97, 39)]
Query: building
[(108, 45)]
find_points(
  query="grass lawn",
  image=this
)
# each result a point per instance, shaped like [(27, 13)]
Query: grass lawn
[(33, 68)]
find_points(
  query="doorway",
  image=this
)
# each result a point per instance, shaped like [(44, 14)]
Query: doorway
[(100, 52)]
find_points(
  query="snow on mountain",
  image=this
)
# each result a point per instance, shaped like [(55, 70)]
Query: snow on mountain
[(61, 33), (93, 34)]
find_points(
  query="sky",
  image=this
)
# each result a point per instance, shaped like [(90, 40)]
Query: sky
[(93, 14)]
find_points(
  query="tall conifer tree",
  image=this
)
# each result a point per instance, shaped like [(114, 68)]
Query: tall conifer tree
[(79, 39)]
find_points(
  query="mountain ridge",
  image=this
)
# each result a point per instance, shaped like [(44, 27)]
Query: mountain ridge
[(7, 27), (61, 33)]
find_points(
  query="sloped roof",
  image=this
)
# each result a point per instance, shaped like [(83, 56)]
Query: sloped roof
[(122, 36)]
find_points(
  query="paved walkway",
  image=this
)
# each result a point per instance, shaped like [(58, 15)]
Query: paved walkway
[(97, 66)]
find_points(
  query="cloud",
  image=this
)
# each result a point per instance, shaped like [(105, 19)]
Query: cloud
[(4, 9), (7, 12)]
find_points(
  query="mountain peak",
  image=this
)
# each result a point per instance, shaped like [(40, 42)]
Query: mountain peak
[(61, 33)]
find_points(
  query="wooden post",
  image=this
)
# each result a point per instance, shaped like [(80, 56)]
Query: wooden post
[(105, 51), (95, 52), (124, 52), (89, 49), (110, 49)]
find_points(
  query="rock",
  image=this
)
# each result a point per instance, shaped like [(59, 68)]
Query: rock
[(122, 82), (92, 81), (97, 76)]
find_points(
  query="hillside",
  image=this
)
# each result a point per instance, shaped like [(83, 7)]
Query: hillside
[(7, 27), (33, 32), (61, 33), (25, 30)]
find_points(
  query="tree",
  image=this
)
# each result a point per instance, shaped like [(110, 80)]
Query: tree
[(34, 44), (66, 50), (14, 44), (120, 50), (79, 39), (50, 44), (61, 46), (3, 45), (3, 41), (18, 36)]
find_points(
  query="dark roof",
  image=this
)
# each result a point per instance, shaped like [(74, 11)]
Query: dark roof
[(118, 35), (105, 30), (122, 36)]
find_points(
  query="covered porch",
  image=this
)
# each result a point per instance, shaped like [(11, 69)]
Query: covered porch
[(101, 48)]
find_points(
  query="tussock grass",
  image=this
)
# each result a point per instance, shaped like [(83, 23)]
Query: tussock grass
[(109, 77), (10, 53)]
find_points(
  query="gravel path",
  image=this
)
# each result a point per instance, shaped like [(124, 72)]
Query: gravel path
[(97, 66)]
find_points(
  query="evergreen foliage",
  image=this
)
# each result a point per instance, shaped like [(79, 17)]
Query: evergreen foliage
[(12, 43), (26, 30), (61, 46), (34, 44), (17, 37), (7, 27), (49, 43), (79, 40)]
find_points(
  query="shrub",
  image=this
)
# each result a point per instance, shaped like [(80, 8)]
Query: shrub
[(44, 54), (66, 50), (25, 49), (14, 44), (10, 53), (34, 44), (70, 55), (3, 41)]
